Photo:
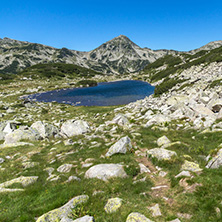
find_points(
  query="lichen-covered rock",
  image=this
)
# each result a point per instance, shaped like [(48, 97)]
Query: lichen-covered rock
[(74, 127), (191, 166), (216, 161), (63, 212), (155, 210), (121, 146), (161, 153), (23, 133), (162, 141), (113, 205), (46, 130), (24, 181), (106, 171), (86, 218), (65, 168), (137, 217)]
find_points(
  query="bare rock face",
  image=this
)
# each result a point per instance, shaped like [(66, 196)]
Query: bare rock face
[(74, 127), (106, 171)]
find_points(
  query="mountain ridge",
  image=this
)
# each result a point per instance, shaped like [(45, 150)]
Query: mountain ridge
[(117, 56)]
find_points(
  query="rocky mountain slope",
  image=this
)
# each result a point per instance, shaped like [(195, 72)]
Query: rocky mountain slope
[(119, 55), (157, 159)]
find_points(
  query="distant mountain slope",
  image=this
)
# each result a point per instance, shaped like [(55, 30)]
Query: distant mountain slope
[(117, 56)]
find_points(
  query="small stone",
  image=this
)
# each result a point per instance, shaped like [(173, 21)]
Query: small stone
[(65, 168), (143, 168), (183, 174), (162, 141), (185, 216), (71, 178), (49, 170), (113, 205), (162, 173), (155, 210), (97, 192)]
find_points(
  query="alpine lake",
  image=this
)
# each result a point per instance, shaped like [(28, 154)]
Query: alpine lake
[(104, 94)]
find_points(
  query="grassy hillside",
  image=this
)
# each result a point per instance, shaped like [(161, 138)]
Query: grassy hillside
[(57, 71), (162, 68)]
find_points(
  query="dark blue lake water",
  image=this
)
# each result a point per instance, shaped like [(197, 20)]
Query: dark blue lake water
[(104, 94)]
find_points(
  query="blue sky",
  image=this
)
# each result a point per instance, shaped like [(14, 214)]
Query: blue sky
[(84, 25)]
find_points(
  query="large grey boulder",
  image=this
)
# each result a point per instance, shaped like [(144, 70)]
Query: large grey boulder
[(63, 213), (46, 130), (216, 161), (74, 127), (161, 153), (137, 217), (23, 133), (106, 171), (121, 146)]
